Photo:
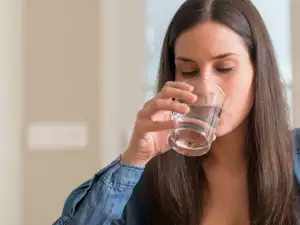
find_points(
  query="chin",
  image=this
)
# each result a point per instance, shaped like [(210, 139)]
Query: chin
[(225, 128), (222, 130)]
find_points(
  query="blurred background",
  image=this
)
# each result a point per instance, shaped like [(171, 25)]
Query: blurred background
[(73, 74)]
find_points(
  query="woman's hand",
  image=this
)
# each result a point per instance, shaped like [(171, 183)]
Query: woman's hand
[(154, 122)]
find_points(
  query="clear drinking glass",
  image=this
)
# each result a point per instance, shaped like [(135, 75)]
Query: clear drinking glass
[(195, 131)]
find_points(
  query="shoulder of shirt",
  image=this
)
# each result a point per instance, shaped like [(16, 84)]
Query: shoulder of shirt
[(135, 210), (296, 153), (296, 140)]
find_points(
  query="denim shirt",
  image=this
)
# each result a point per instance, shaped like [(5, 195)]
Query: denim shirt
[(110, 197)]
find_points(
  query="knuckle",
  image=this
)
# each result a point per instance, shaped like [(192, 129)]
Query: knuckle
[(168, 83), (177, 91), (165, 90), (174, 105), (140, 114), (147, 103), (138, 125), (158, 103)]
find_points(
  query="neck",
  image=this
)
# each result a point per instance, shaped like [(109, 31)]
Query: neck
[(229, 151)]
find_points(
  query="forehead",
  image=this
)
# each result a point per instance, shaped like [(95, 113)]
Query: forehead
[(209, 39)]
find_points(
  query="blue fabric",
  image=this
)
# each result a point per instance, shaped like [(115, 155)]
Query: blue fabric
[(110, 197)]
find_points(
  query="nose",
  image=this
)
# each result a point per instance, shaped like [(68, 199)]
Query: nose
[(205, 73), (202, 88), (203, 85)]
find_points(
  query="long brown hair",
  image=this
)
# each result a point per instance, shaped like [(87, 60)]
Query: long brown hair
[(174, 191)]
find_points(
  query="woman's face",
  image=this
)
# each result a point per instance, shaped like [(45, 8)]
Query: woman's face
[(213, 52)]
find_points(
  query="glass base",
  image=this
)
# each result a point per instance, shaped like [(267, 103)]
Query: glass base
[(188, 141)]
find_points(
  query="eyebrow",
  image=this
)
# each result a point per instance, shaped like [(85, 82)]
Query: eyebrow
[(184, 59), (224, 55), (221, 56)]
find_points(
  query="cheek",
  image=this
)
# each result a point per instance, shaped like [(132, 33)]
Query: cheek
[(238, 103), (238, 94)]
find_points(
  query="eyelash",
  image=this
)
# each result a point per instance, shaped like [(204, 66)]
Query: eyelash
[(219, 70), (224, 70), (190, 73)]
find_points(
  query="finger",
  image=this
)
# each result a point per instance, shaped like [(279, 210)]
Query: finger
[(165, 105), (174, 87), (171, 92), (179, 85), (145, 126)]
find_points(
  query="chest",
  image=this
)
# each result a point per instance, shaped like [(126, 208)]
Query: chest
[(227, 203), (231, 213)]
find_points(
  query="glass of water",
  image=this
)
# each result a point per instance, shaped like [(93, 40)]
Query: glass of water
[(195, 131)]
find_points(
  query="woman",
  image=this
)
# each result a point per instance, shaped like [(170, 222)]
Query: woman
[(247, 176)]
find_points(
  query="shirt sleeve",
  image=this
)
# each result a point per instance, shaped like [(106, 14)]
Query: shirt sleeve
[(296, 154), (101, 200)]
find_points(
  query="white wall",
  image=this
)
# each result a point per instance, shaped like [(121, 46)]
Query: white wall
[(60, 85), (11, 13), (122, 72), (296, 59), (84, 62)]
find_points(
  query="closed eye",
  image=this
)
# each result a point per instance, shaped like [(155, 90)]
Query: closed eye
[(225, 69), (189, 73)]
